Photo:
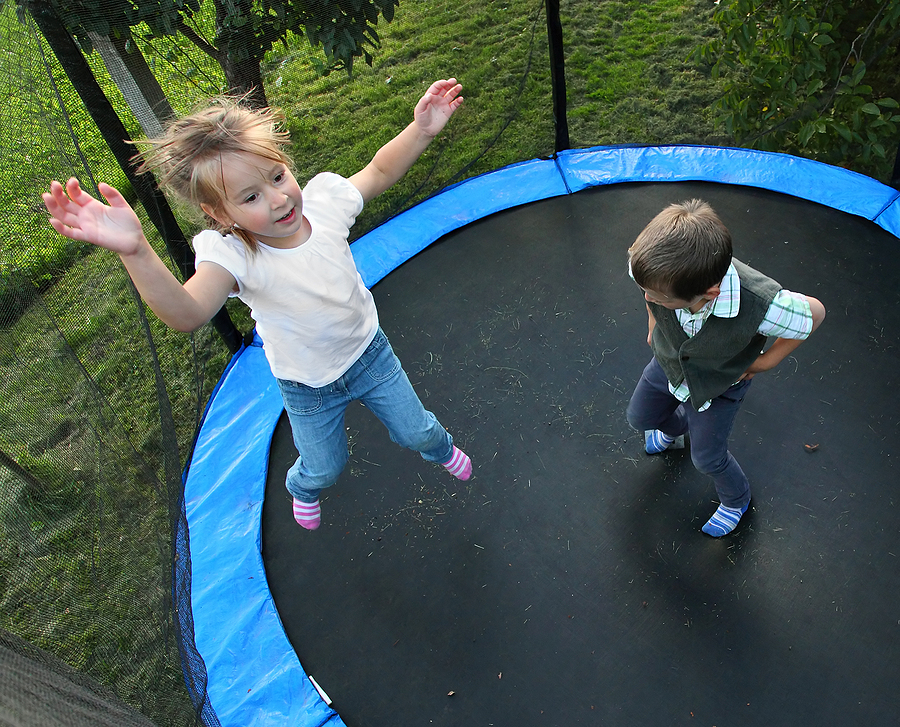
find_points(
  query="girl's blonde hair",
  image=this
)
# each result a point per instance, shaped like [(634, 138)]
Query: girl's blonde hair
[(684, 251), (187, 159)]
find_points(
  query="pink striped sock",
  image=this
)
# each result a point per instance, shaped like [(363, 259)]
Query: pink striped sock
[(459, 465), (308, 514)]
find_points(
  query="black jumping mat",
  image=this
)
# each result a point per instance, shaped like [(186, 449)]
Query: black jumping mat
[(568, 582)]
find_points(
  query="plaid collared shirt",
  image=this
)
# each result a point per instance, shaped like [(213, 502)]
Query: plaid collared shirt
[(788, 316)]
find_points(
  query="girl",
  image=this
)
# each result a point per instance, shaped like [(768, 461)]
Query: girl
[(284, 252)]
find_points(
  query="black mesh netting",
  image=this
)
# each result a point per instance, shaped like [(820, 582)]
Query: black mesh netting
[(38, 688), (100, 402)]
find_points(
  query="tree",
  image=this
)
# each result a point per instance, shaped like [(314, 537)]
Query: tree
[(815, 77), (79, 73), (244, 29), (129, 70)]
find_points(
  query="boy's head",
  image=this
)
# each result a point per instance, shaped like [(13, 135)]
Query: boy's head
[(188, 158), (683, 252)]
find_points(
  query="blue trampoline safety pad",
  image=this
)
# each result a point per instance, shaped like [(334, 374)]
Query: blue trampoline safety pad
[(254, 676), (410, 232), (831, 186)]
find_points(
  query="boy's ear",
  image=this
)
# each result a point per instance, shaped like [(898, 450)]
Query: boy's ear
[(713, 292)]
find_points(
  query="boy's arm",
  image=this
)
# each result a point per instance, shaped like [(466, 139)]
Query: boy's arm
[(114, 226), (651, 324), (395, 158), (781, 348)]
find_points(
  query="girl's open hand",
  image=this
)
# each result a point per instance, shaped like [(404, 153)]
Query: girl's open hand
[(438, 105), (79, 216)]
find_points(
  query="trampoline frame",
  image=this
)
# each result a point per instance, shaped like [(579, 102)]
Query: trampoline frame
[(254, 675)]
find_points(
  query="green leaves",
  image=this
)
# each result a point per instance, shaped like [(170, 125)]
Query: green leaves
[(810, 77), (246, 29), (345, 29)]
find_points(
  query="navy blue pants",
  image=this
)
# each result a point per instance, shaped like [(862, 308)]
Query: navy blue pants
[(653, 406)]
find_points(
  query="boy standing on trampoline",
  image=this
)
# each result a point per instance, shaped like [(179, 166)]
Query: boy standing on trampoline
[(284, 252), (709, 317)]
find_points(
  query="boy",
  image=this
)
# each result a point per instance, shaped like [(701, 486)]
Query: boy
[(709, 317)]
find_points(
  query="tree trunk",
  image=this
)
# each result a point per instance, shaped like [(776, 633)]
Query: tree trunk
[(116, 136), (136, 96), (240, 57), (146, 81), (245, 77)]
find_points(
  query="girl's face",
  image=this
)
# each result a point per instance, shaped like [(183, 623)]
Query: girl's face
[(263, 198)]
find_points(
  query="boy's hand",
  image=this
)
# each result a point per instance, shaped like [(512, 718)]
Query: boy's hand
[(769, 359), (781, 348), (77, 215), (651, 324), (437, 106)]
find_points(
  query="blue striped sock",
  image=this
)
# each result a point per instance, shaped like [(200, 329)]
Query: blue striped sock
[(655, 441), (724, 520)]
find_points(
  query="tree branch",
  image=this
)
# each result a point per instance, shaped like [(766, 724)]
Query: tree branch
[(188, 32)]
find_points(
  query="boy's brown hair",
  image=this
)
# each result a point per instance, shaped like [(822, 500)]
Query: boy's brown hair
[(188, 157), (684, 251)]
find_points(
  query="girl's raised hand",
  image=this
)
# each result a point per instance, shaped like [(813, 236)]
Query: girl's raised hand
[(437, 105), (79, 216)]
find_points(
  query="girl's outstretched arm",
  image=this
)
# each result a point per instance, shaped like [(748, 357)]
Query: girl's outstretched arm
[(114, 226), (395, 158)]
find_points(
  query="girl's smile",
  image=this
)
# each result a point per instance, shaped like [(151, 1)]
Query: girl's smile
[(289, 217)]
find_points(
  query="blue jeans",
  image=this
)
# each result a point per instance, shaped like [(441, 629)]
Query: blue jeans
[(653, 406), (317, 418)]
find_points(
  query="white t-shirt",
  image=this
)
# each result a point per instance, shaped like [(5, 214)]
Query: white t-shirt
[(313, 312)]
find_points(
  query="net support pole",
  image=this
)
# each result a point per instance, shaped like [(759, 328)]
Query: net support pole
[(895, 173), (557, 75)]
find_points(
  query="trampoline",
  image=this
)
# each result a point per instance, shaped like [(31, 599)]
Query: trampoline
[(568, 582)]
